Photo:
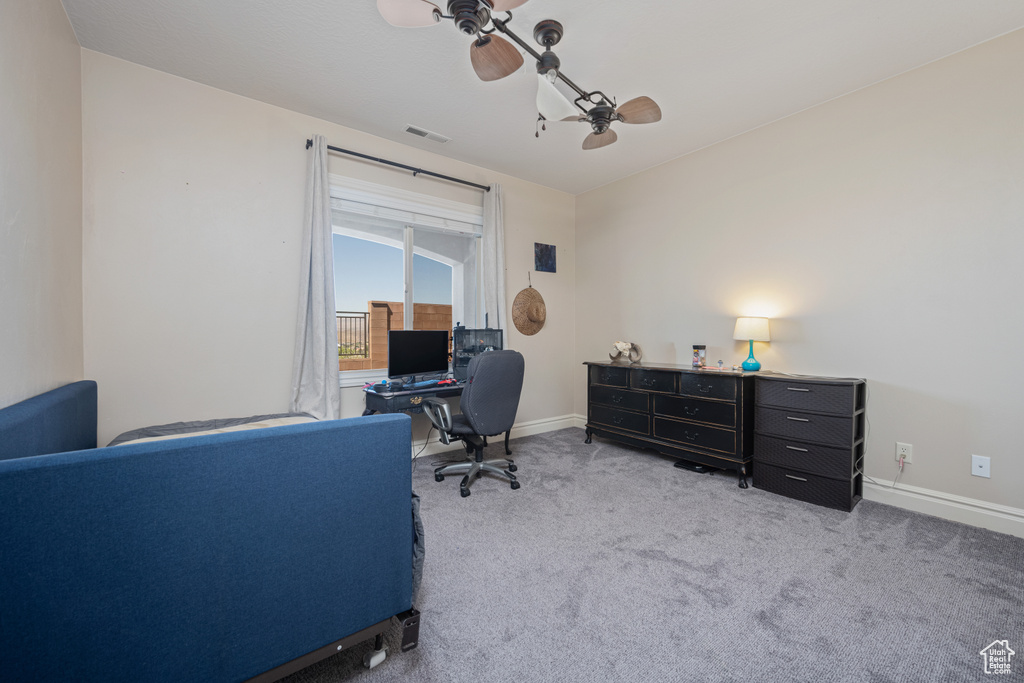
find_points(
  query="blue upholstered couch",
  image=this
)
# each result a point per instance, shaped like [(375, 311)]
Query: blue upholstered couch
[(208, 558)]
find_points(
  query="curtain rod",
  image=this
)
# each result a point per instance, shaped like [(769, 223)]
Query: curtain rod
[(415, 171)]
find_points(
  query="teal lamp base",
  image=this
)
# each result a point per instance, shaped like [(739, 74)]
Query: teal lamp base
[(751, 364)]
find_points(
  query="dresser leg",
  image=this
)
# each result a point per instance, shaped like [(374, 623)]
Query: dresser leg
[(589, 436), (743, 476)]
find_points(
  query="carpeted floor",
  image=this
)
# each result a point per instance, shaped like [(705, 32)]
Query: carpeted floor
[(609, 564)]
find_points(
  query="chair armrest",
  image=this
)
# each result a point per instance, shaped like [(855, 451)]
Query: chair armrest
[(440, 414)]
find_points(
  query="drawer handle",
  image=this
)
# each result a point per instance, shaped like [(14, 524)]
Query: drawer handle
[(795, 389), (616, 419), (616, 399), (691, 412), (690, 437), (797, 419), (645, 382), (704, 389), (794, 448), (790, 476)]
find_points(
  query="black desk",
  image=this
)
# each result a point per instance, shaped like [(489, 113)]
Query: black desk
[(411, 400), (406, 400)]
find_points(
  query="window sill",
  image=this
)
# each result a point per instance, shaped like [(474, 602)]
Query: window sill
[(357, 378)]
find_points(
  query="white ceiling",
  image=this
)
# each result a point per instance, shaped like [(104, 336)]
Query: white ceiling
[(717, 68)]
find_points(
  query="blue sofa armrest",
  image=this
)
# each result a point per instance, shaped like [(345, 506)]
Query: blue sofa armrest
[(60, 420)]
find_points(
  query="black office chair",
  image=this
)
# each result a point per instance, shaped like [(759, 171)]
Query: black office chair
[(489, 404)]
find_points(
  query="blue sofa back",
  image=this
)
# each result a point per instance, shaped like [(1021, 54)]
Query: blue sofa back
[(60, 420), (209, 558)]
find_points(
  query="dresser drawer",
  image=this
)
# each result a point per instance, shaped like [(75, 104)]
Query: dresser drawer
[(653, 380), (824, 429), (708, 386), (619, 398), (837, 399), (696, 435), (837, 463), (614, 377), (620, 419), (698, 410), (841, 494)]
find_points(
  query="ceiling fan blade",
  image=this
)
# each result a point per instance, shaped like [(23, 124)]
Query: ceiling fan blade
[(640, 110), (552, 104), (595, 141), (409, 13), (494, 57), (506, 5)]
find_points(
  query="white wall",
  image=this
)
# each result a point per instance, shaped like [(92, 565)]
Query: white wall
[(193, 211), (882, 232), (40, 200)]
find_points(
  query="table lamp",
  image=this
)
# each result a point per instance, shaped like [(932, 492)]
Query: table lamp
[(751, 330)]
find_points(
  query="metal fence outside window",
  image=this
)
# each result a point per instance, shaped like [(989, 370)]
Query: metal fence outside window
[(353, 334)]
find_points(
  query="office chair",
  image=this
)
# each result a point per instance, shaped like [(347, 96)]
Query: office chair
[(489, 404)]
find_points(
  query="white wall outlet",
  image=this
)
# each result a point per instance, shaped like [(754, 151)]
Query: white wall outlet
[(980, 466), (905, 451)]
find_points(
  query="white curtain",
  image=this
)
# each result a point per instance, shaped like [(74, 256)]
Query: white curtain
[(315, 369), (493, 248)]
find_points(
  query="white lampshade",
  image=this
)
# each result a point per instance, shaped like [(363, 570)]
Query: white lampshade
[(751, 329), (551, 103), (409, 14)]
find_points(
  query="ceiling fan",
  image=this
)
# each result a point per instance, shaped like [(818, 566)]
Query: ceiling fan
[(494, 58)]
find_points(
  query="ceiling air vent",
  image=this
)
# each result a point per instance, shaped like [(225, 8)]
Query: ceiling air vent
[(434, 137)]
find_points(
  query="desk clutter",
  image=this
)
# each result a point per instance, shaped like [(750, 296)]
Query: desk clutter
[(389, 387)]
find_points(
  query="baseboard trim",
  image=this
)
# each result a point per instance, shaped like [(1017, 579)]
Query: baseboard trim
[(1001, 518), (520, 429), (979, 513)]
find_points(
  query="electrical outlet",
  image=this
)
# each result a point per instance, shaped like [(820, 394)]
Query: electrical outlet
[(980, 466), (905, 451)]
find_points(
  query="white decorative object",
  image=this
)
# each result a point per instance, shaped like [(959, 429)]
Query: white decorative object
[(626, 351)]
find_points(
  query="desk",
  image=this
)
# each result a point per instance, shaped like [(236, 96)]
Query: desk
[(411, 400), (406, 400)]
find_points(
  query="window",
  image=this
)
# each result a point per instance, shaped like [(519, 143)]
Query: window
[(401, 261)]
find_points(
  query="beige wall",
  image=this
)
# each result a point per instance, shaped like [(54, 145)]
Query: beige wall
[(193, 210), (882, 232), (40, 200)]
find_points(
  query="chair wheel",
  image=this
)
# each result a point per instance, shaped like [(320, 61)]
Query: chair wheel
[(512, 467), (464, 492), (515, 485), (438, 477)]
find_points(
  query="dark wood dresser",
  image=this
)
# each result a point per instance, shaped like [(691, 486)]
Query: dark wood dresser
[(809, 438), (701, 416)]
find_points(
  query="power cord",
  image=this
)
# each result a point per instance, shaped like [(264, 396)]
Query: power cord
[(867, 434), (416, 457)]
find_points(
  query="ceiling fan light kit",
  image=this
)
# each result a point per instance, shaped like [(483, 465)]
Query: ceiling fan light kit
[(494, 58)]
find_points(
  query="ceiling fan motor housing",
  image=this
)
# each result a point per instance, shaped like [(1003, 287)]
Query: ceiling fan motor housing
[(470, 16), (601, 117)]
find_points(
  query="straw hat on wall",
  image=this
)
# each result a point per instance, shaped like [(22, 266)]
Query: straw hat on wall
[(529, 311)]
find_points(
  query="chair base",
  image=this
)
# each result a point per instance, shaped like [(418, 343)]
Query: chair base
[(475, 468)]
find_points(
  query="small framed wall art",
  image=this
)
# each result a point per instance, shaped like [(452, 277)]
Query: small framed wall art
[(544, 257)]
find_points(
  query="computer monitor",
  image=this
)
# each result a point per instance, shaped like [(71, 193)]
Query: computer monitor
[(417, 352)]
